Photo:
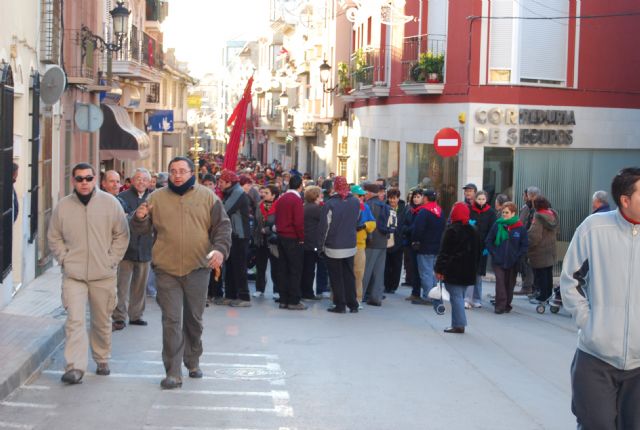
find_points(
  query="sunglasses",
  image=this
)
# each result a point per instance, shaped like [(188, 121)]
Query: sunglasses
[(87, 178)]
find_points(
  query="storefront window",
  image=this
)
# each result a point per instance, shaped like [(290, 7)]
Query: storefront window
[(389, 161), (497, 177), (428, 170), (363, 154)]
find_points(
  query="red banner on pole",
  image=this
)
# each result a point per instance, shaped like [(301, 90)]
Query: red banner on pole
[(238, 118)]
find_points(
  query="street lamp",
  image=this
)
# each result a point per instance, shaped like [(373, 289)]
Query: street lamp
[(120, 18), (284, 99), (325, 73)]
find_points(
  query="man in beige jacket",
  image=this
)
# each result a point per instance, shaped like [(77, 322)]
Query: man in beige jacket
[(88, 235), (193, 236)]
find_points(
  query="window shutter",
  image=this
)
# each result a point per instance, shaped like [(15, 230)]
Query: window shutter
[(543, 43), (501, 35)]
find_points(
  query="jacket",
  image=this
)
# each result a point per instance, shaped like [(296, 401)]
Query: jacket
[(264, 225), (376, 239), (599, 287), (139, 244), (397, 235), (88, 241), (236, 204), (312, 213), (509, 253), (459, 254), (290, 216), (483, 223), (366, 225), (427, 230), (338, 224), (542, 240), (186, 227)]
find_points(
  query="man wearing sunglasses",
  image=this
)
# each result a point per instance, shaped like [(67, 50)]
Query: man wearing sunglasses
[(88, 235), (193, 236)]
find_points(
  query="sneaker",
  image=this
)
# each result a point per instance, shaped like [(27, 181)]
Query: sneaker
[(524, 291), (467, 305), (326, 295), (476, 305), (240, 303), (258, 294), (276, 295)]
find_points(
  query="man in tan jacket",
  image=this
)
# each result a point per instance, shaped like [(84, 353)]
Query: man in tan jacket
[(88, 235), (193, 236)]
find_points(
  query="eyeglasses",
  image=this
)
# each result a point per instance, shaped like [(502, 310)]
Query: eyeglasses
[(179, 172), (87, 178)]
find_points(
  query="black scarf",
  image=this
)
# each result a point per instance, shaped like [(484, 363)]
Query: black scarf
[(85, 199), (182, 189)]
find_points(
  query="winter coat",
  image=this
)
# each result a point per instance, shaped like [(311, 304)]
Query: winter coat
[(139, 244), (459, 254), (263, 226), (484, 222), (407, 225), (237, 206), (377, 239), (338, 225), (511, 250), (542, 240), (427, 231), (397, 235), (312, 212)]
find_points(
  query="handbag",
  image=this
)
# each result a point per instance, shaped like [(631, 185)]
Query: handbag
[(439, 292)]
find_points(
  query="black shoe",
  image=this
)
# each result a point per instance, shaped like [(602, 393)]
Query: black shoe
[(72, 376), (298, 307), (103, 369), (282, 306), (373, 303), (335, 310), (499, 311), (171, 382), (312, 298), (118, 325), (507, 309), (457, 330), (137, 322), (195, 373), (353, 310)]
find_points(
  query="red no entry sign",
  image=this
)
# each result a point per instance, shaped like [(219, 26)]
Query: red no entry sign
[(447, 142)]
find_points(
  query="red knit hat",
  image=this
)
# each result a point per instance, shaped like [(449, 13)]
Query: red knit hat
[(460, 213), (229, 176)]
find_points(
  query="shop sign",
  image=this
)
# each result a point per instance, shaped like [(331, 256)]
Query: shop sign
[(523, 126)]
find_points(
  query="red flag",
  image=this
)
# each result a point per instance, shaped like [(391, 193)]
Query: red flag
[(238, 118)]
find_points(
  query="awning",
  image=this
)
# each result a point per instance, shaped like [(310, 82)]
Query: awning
[(119, 138)]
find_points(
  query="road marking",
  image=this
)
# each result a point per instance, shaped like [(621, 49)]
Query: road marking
[(273, 394), (202, 364), (279, 410), (28, 405), (8, 425), (35, 387), (228, 354), (203, 428), (236, 377)]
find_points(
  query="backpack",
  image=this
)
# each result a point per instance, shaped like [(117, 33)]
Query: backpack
[(386, 223)]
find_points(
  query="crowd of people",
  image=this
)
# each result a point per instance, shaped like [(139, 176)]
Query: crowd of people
[(202, 230)]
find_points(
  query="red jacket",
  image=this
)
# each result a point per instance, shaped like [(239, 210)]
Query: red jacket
[(290, 216)]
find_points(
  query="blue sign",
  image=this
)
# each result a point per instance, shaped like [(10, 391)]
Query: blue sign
[(160, 120)]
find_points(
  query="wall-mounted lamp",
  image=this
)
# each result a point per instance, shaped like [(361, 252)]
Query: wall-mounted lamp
[(120, 18), (325, 74), (284, 99)]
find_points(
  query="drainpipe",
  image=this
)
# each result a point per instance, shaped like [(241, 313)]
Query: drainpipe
[(419, 29)]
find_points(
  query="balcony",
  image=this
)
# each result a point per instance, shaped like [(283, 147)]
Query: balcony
[(83, 61), (423, 61), (156, 11), (140, 59), (369, 73)]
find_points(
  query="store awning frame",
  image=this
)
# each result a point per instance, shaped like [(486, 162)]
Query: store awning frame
[(119, 138)]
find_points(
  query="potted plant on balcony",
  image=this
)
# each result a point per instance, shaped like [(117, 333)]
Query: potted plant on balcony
[(360, 66), (344, 81), (429, 68)]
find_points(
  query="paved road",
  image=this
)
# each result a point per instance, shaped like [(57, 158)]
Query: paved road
[(383, 368)]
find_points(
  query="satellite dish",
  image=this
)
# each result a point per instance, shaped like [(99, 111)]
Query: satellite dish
[(88, 117), (52, 85)]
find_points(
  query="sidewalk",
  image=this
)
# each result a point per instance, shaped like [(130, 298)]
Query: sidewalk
[(31, 327)]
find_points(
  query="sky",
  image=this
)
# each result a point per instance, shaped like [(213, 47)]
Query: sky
[(199, 28)]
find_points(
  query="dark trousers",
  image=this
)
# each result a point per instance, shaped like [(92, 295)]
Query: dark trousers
[(416, 286), (264, 256), (308, 273), (408, 265), (543, 281), (343, 282), (393, 269), (505, 282), (322, 278), (604, 397), (215, 288), (235, 280), (291, 258)]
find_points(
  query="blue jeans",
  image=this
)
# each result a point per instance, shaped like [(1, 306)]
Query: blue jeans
[(425, 270), (474, 294), (151, 283), (458, 316), (322, 277)]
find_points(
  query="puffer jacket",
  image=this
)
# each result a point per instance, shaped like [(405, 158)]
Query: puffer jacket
[(543, 234), (88, 241)]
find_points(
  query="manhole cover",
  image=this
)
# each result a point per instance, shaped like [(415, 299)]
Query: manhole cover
[(249, 373)]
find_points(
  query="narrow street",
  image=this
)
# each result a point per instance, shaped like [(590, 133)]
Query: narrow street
[(383, 368)]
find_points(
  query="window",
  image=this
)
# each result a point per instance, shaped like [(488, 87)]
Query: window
[(389, 160), (363, 154), (528, 50), (6, 168)]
